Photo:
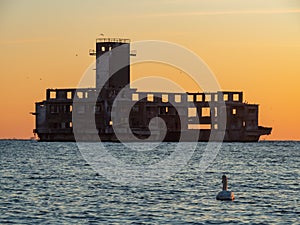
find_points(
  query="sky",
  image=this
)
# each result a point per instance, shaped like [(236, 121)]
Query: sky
[(250, 45)]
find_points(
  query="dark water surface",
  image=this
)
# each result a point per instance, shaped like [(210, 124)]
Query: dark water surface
[(51, 183)]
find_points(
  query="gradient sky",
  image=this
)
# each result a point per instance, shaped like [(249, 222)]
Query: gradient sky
[(250, 45)]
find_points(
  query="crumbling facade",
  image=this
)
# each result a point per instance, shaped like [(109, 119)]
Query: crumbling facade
[(219, 116)]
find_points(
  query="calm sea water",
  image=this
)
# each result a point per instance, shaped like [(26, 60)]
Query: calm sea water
[(51, 183)]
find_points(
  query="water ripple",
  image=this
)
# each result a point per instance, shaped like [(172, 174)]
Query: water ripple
[(50, 183)]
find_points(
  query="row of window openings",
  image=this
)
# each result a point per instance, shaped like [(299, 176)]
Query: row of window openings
[(79, 94), (207, 126), (69, 94), (136, 123), (69, 108), (190, 98), (234, 111), (61, 108), (205, 111), (62, 125), (192, 111), (190, 126), (103, 49), (150, 97)]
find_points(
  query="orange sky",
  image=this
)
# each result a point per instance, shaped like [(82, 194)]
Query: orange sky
[(251, 46)]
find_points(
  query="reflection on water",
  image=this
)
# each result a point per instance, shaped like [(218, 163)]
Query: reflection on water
[(51, 183)]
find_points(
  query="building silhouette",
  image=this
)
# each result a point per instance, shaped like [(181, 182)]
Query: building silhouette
[(103, 113)]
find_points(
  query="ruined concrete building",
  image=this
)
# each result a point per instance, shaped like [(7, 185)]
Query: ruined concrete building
[(220, 116)]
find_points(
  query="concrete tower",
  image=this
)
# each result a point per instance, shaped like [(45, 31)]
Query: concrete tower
[(108, 65)]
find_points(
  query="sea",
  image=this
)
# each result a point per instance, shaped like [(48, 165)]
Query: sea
[(52, 183)]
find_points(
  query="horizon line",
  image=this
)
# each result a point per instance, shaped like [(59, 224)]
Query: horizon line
[(31, 139)]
